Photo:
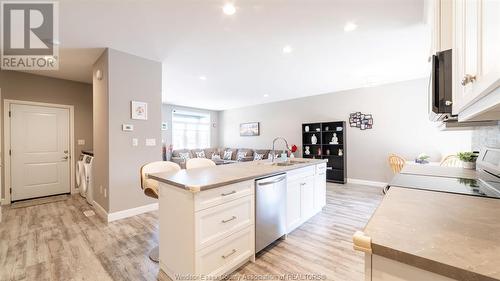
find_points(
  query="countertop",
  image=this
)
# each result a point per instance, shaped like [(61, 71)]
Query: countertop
[(200, 179), (453, 235), (438, 171)]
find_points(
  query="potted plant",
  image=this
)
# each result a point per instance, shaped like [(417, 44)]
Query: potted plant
[(468, 159), (422, 158), (293, 148)]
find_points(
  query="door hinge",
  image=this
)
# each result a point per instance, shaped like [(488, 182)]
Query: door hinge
[(10, 113), (10, 189), (10, 152)]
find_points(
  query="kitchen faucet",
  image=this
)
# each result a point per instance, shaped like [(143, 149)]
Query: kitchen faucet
[(286, 145)]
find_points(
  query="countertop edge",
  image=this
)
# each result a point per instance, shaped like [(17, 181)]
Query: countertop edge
[(428, 264), (195, 189)]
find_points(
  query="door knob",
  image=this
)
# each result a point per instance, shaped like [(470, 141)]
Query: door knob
[(65, 157), (468, 79)]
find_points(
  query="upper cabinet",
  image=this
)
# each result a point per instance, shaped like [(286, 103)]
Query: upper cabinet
[(476, 59)]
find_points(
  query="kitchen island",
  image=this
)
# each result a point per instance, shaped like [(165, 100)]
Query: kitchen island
[(207, 215)]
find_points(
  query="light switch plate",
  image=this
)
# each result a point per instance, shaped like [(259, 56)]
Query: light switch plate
[(135, 142), (150, 142), (81, 142), (127, 127)]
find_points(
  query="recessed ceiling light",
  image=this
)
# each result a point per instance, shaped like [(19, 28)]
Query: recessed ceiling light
[(203, 78), (287, 49), (266, 95), (229, 9), (350, 26)]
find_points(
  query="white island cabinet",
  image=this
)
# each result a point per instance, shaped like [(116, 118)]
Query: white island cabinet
[(207, 215)]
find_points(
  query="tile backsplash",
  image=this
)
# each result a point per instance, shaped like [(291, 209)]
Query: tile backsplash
[(486, 136)]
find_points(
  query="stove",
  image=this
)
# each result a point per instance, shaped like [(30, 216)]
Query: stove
[(487, 183)]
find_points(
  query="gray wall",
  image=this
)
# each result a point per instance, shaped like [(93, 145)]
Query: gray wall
[(101, 135), (129, 78), (29, 87), (486, 136), (400, 126), (167, 117)]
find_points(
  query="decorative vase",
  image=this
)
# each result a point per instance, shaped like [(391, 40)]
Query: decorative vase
[(307, 152), (319, 151), (469, 165), (327, 128), (306, 128), (341, 152), (328, 152), (292, 155), (314, 139)]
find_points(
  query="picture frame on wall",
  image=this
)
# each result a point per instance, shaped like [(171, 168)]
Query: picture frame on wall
[(138, 110), (249, 129)]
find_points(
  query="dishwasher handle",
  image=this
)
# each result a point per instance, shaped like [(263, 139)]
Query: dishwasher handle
[(271, 182)]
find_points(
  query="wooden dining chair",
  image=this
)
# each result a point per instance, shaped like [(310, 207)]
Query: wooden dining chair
[(199, 163), (151, 187), (396, 163), (451, 161)]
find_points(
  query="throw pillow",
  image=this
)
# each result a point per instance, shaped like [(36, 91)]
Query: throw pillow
[(200, 154), (184, 155), (228, 154), (240, 155), (258, 156), (215, 156)]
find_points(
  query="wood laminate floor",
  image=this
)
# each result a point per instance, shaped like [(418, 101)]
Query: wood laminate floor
[(56, 241)]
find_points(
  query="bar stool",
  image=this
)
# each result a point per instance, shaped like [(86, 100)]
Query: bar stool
[(199, 163), (151, 188)]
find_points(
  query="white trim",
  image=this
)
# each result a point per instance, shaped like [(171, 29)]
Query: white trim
[(132, 212), (367, 182), (6, 131), (100, 211)]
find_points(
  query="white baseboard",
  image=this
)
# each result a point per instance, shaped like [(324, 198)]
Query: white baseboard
[(132, 212), (109, 217), (367, 182)]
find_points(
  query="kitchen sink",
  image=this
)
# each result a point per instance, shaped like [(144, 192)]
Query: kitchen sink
[(288, 163)]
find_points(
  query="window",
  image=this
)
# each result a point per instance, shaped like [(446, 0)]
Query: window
[(190, 129)]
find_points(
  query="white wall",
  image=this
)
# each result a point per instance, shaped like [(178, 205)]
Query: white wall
[(167, 117), (401, 126)]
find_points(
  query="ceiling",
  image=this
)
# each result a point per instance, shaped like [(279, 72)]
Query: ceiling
[(241, 56)]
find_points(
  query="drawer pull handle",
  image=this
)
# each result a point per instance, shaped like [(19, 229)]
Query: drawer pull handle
[(228, 255), (229, 193), (228, 220), (322, 174), (302, 183)]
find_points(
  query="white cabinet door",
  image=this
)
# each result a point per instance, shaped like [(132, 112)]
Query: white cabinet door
[(319, 191), (476, 55), (293, 218), (307, 198)]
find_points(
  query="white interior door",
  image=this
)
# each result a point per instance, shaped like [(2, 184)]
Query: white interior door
[(39, 141)]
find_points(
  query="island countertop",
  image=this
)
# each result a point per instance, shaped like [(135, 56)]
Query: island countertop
[(200, 179), (453, 235)]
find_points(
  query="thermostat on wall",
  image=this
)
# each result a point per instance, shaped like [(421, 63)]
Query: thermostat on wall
[(127, 127)]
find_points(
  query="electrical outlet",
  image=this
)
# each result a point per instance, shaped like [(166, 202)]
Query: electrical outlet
[(105, 194), (135, 142), (81, 142)]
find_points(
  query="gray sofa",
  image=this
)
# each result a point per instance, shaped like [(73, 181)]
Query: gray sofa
[(180, 156)]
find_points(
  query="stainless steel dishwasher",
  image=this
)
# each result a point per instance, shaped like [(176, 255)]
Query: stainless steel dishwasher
[(270, 210)]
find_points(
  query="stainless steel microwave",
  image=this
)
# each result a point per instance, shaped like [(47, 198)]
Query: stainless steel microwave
[(441, 86)]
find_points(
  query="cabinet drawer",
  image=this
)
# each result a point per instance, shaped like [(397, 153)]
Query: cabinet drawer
[(216, 223), (223, 256), (219, 195), (300, 173)]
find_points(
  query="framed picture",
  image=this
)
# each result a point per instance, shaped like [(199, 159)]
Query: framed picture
[(139, 110), (249, 129)]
